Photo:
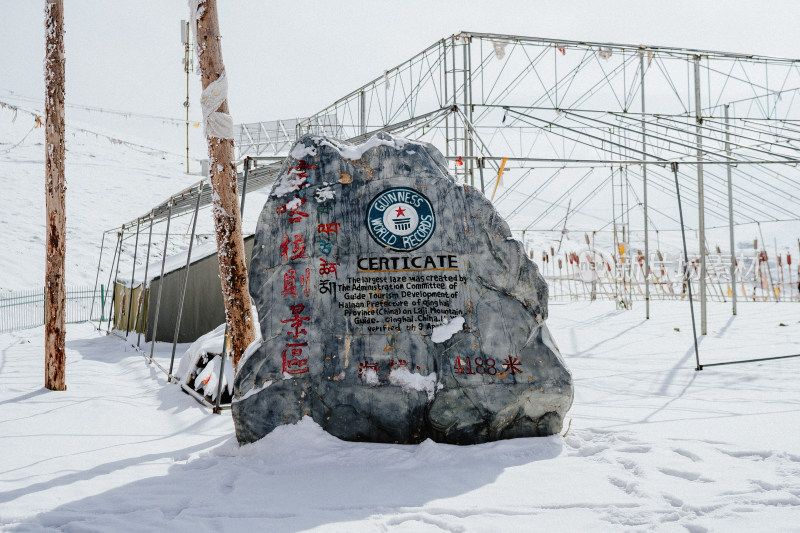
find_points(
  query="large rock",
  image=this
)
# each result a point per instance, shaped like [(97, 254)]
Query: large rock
[(394, 305)]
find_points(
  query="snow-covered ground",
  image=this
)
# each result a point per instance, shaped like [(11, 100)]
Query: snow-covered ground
[(653, 444)]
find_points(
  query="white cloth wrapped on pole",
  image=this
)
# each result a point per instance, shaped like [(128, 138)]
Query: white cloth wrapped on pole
[(217, 124)]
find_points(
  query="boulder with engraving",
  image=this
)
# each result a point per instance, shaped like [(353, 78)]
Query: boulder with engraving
[(394, 305)]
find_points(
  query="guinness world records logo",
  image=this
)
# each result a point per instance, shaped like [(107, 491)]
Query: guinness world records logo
[(400, 218)]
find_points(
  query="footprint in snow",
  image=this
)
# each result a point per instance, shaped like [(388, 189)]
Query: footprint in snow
[(747, 454), (689, 476), (686, 453), (636, 449)]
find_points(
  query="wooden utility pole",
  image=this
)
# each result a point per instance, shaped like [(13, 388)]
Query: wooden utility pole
[(55, 189), (227, 216)]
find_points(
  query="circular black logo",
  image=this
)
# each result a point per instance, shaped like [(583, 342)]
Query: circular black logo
[(401, 219)]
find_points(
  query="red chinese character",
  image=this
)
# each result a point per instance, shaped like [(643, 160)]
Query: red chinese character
[(285, 247), (291, 205), (511, 364), (305, 282), (296, 321), (400, 363), (365, 366), (293, 208), (289, 288), (301, 167), (298, 247), (293, 364), (331, 227), (297, 175), (296, 216), (328, 268)]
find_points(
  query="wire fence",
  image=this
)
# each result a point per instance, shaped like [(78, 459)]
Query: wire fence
[(25, 309)]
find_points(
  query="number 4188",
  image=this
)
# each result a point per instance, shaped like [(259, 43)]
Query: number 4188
[(483, 365)]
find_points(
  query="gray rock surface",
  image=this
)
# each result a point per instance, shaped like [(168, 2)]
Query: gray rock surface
[(394, 305)]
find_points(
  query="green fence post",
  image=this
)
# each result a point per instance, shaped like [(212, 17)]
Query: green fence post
[(102, 304)]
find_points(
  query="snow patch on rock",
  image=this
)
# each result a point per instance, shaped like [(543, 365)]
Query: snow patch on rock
[(301, 151), (253, 391), (370, 377), (447, 330), (357, 151), (323, 194), (403, 377)]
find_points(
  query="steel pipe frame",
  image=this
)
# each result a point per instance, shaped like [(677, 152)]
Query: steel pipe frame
[(116, 275), (730, 217), (644, 194), (700, 200), (133, 276), (110, 272), (140, 303), (183, 291), (160, 287), (97, 277), (688, 282)]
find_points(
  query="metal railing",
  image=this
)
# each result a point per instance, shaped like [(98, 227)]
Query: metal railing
[(25, 309)]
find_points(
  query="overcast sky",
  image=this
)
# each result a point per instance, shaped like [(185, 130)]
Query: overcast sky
[(289, 59)]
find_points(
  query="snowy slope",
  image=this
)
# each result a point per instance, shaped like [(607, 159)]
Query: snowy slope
[(653, 445), (108, 183)]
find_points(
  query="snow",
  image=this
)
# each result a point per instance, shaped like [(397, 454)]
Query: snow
[(447, 329), (652, 444), (210, 343), (288, 182), (111, 178), (413, 381), (323, 194), (355, 152), (370, 377), (208, 378), (301, 151), (253, 391), (293, 205)]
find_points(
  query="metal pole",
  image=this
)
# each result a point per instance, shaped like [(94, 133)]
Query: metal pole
[(644, 197), (730, 209), (187, 59), (480, 168), (700, 197), (221, 368), (112, 316), (133, 277), (97, 275), (140, 303), (160, 283), (108, 283), (247, 161), (185, 282), (469, 155), (446, 99), (225, 337), (455, 95), (363, 102), (686, 266)]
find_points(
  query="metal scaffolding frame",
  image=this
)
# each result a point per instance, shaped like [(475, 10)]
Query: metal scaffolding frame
[(486, 98), (572, 121)]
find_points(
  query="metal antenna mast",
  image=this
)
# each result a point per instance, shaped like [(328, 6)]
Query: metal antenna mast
[(187, 66)]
